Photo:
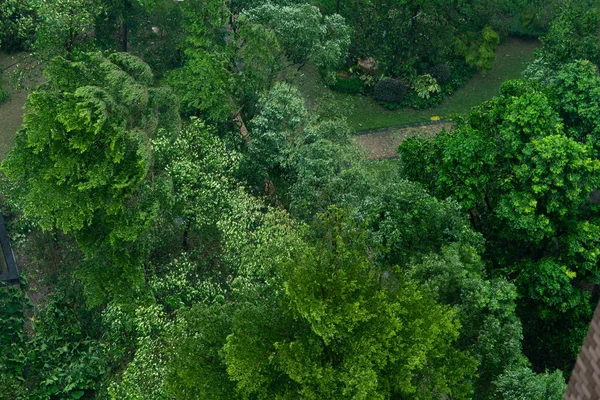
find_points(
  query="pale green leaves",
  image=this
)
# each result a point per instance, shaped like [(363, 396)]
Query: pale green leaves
[(305, 35)]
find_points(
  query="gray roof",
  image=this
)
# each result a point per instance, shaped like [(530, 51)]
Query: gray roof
[(584, 383)]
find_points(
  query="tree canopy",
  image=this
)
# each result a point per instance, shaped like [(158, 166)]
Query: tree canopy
[(241, 246), (525, 166)]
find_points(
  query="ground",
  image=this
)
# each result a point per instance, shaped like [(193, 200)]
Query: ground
[(11, 111), (384, 143)]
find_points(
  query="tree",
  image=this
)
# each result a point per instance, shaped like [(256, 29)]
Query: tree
[(490, 329), (228, 62), (522, 383), (524, 168), (118, 18), (204, 85), (479, 50), (573, 35), (201, 170), (65, 26), (84, 160), (281, 115), (324, 323), (17, 26), (304, 34)]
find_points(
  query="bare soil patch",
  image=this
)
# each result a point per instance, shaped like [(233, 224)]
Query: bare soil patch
[(11, 111)]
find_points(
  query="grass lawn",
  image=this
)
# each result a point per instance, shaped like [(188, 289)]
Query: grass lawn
[(365, 114)]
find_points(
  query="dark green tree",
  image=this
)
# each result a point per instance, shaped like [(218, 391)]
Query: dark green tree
[(17, 25), (573, 34), (524, 166)]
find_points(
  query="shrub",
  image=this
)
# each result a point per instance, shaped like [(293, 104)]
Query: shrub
[(425, 86), (390, 90)]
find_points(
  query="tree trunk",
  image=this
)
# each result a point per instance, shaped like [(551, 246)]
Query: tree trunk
[(240, 123)]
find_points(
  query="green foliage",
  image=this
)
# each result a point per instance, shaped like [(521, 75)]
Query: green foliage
[(298, 28), (479, 50), (226, 67), (337, 330), (17, 25), (185, 282), (89, 122), (157, 33), (201, 331), (56, 355), (573, 35), (524, 166), (281, 115), (326, 167), (65, 26), (4, 95), (332, 50), (406, 221), (425, 85), (490, 328), (522, 383), (203, 85), (200, 169), (89, 175), (409, 38), (65, 359), (304, 34), (13, 307), (390, 90), (258, 59), (144, 376)]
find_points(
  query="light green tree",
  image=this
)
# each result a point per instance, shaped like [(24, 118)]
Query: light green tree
[(305, 35), (84, 160), (226, 65), (318, 320)]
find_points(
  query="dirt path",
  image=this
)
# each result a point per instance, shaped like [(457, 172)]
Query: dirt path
[(11, 111), (384, 143)]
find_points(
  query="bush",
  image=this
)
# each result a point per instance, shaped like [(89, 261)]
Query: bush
[(390, 90), (442, 73)]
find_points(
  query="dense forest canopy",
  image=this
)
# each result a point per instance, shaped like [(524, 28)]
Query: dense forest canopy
[(190, 226)]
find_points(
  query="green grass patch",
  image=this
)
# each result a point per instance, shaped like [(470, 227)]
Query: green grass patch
[(365, 114)]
